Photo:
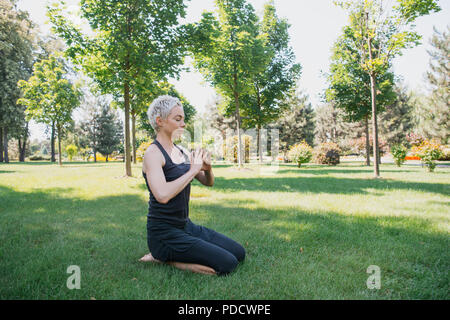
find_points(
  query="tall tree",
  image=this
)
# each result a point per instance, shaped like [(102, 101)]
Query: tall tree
[(132, 40), (49, 96), (110, 131), (228, 51), (382, 32), (397, 118), (349, 85), (263, 102), (16, 59), (435, 119), (296, 122)]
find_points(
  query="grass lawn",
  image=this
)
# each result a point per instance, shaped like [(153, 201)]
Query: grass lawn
[(309, 233)]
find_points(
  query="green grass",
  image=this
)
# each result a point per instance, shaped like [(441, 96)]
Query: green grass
[(309, 233)]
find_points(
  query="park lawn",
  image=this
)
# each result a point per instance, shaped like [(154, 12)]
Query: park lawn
[(309, 233)]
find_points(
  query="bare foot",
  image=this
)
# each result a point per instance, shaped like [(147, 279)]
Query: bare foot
[(196, 268), (149, 258)]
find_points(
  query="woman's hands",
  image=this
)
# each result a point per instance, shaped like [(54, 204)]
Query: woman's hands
[(200, 160)]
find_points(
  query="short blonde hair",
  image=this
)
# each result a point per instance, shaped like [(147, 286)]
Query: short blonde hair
[(161, 107)]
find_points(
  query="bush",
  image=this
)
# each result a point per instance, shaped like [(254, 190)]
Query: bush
[(428, 152), (414, 139), (300, 153), (359, 146), (71, 150), (399, 153), (229, 148), (445, 153), (141, 150), (327, 153), (38, 157)]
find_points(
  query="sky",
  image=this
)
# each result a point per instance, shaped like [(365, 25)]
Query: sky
[(315, 26)]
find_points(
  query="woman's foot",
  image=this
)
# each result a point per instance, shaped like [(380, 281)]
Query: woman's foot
[(149, 258)]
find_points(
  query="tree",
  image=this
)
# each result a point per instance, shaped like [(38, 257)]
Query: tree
[(228, 51), (397, 119), (296, 123), (49, 96), (382, 33), (263, 102), (135, 43), (109, 131), (16, 59), (349, 85), (436, 111)]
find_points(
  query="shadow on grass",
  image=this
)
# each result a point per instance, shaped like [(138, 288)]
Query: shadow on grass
[(331, 252), (320, 184)]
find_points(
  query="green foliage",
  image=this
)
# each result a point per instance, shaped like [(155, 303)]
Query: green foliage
[(399, 153), (263, 103), (71, 150), (327, 153), (17, 42), (300, 153), (142, 148), (428, 152)]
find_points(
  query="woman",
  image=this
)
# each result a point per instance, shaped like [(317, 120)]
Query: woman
[(168, 171)]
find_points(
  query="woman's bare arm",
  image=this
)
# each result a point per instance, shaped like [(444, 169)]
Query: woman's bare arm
[(161, 189)]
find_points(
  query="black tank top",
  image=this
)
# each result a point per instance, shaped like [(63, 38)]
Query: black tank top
[(176, 211)]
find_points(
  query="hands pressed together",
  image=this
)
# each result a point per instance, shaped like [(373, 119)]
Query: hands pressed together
[(200, 160)]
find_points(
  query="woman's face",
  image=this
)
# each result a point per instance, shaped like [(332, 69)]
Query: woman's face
[(174, 124)]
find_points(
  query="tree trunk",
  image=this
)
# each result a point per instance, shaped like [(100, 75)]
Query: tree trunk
[(59, 145), (127, 129), (52, 142), (259, 146), (22, 147), (1, 144), (5, 144), (238, 126), (367, 140), (375, 127), (374, 115), (133, 134)]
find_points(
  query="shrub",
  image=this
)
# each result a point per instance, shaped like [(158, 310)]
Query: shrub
[(229, 148), (359, 146), (399, 153), (428, 152), (327, 153), (300, 153), (71, 150), (445, 153), (414, 139), (38, 157), (141, 150)]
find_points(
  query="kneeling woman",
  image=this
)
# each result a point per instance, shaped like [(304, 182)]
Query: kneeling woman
[(168, 171)]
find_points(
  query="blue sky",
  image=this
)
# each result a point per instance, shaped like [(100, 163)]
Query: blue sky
[(315, 25)]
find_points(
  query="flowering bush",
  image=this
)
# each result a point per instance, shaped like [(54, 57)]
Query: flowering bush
[(414, 139), (141, 150), (359, 146), (399, 153), (300, 153), (428, 152), (327, 153)]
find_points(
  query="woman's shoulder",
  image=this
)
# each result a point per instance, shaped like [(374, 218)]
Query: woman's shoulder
[(152, 155)]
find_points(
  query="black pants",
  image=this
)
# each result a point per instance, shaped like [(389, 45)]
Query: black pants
[(194, 244)]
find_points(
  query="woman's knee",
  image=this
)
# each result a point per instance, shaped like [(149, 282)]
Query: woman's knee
[(240, 253), (227, 264)]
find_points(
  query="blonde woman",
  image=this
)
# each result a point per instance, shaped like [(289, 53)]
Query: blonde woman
[(168, 171)]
